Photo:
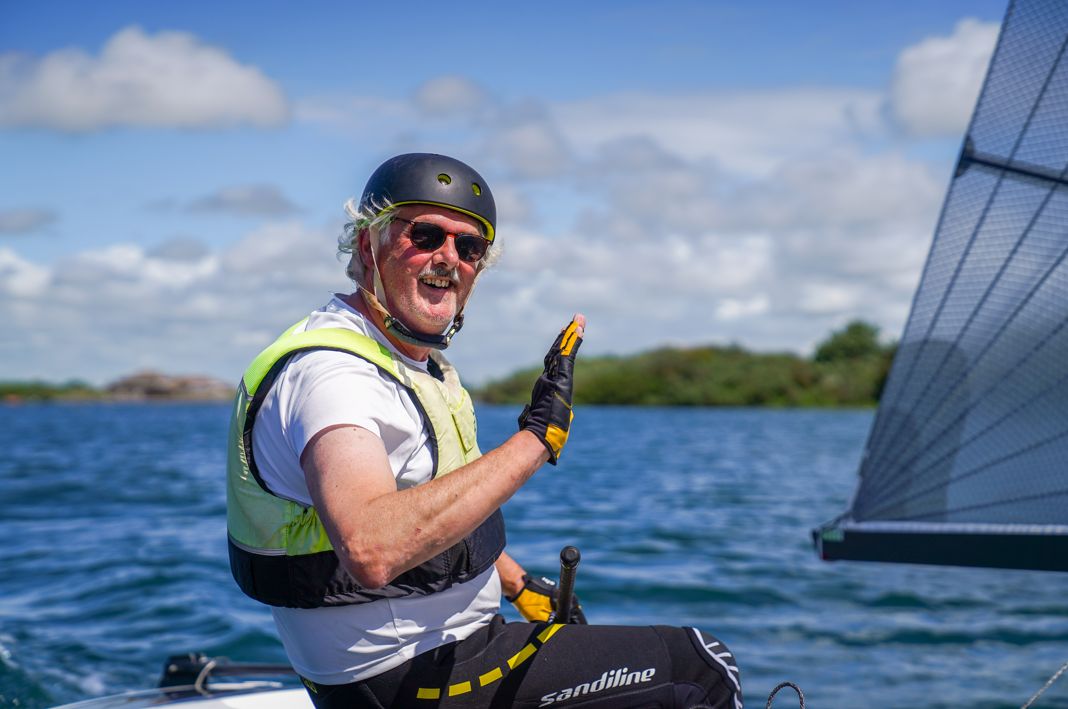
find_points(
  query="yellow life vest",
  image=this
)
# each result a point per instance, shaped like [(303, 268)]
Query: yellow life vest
[(279, 551)]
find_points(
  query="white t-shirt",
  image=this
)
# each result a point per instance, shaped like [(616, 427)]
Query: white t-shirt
[(322, 388)]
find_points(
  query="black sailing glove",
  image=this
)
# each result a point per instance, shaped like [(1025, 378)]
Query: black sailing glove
[(548, 415), (537, 600)]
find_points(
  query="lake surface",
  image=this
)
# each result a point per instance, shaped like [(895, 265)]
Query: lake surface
[(113, 520)]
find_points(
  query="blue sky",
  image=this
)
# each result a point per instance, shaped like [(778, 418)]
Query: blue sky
[(683, 173)]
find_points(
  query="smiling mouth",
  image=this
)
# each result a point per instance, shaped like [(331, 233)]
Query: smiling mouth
[(438, 282)]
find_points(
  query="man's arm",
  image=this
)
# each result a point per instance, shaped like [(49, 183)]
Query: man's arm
[(379, 532), (511, 574)]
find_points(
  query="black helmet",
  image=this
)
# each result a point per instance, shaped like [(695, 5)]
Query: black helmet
[(426, 178)]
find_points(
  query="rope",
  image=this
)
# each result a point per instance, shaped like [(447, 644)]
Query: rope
[(1046, 686), (800, 694), (202, 678)]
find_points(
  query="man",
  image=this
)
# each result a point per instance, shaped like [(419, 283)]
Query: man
[(361, 510)]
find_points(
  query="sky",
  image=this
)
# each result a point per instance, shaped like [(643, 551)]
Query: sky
[(683, 173)]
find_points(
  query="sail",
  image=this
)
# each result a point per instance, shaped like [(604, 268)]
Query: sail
[(967, 459)]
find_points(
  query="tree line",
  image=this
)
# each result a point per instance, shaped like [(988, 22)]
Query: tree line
[(848, 368), (13, 391)]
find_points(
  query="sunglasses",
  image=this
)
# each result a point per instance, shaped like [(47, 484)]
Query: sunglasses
[(427, 236)]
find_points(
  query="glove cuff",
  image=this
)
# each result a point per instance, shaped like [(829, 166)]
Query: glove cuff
[(548, 446), (526, 582)]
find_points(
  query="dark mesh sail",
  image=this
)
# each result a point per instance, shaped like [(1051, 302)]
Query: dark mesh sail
[(972, 431)]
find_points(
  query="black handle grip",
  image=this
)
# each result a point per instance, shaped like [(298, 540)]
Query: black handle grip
[(569, 561)]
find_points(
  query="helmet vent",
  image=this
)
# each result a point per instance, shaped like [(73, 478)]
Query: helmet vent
[(476, 189), (444, 179)]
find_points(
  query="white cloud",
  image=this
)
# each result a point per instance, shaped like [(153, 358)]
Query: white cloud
[(436, 112), (24, 221), (937, 81), (840, 188), (246, 200), (450, 95), (827, 298), (128, 308), (170, 79), (358, 115), (179, 249), (747, 133), (674, 250), (513, 206), (734, 308), (527, 142), (20, 278)]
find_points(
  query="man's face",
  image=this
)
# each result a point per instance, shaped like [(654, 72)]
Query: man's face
[(424, 289)]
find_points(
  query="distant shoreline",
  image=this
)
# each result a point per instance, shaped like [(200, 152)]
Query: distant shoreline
[(141, 387), (847, 371), (17, 399)]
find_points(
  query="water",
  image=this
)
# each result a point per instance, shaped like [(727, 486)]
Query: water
[(115, 557)]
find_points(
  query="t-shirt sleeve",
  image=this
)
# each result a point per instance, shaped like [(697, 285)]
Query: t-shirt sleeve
[(332, 388)]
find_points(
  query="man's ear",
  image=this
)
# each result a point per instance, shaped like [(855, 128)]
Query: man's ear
[(363, 244)]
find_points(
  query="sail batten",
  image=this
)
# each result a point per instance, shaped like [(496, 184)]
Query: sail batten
[(973, 424), (1016, 168)]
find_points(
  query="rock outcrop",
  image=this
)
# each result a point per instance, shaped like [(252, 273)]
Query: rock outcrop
[(153, 385)]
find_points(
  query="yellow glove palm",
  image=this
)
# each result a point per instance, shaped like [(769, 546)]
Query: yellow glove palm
[(533, 606), (537, 600)]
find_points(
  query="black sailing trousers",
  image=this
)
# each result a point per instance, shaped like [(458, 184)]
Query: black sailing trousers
[(539, 665)]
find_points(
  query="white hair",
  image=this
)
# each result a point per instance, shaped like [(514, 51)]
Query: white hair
[(379, 215), (372, 216)]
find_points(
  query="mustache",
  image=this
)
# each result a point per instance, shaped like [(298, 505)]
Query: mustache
[(442, 271)]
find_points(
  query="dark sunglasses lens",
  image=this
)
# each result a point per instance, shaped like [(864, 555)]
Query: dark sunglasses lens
[(426, 236), (471, 248), (430, 237)]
